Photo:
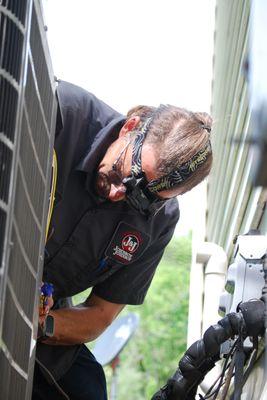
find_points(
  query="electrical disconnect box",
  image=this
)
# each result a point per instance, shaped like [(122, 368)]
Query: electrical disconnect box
[(245, 277)]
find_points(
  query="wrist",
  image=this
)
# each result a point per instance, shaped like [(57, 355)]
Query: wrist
[(46, 328)]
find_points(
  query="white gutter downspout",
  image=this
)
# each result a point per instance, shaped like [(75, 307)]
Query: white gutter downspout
[(207, 280)]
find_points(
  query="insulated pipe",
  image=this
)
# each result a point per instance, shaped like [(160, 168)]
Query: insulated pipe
[(215, 262), (196, 290), (207, 280)]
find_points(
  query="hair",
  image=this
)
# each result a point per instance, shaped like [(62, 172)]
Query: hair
[(179, 134)]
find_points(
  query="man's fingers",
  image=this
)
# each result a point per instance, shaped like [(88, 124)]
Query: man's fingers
[(50, 302), (41, 319), (46, 307)]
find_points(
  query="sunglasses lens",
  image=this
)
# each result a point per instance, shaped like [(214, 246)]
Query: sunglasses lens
[(104, 182), (115, 178), (102, 185)]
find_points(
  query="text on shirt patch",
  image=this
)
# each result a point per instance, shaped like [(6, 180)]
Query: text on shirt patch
[(127, 244)]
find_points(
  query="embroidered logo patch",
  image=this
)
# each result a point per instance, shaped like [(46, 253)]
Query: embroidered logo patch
[(130, 243), (127, 244)]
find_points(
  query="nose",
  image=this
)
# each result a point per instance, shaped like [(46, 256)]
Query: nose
[(117, 193)]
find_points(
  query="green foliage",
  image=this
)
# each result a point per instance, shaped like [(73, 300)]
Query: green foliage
[(152, 354)]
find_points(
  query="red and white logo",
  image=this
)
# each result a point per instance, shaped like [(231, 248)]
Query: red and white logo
[(127, 244), (130, 243)]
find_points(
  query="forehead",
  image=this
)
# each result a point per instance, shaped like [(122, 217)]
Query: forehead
[(149, 158)]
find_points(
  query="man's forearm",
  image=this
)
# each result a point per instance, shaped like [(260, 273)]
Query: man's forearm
[(77, 325)]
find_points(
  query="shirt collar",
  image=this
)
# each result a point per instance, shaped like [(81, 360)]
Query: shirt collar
[(101, 142)]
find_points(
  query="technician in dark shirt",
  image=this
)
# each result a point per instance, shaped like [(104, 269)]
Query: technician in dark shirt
[(114, 213)]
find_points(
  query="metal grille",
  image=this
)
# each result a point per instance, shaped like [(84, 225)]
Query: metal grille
[(9, 374), (41, 68), (12, 46), (17, 8), (8, 107), (2, 232), (5, 162), (33, 112), (27, 122), (16, 333)]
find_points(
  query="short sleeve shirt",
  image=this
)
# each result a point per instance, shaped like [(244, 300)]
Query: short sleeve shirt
[(107, 246)]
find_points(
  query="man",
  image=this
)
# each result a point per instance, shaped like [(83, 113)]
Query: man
[(114, 213)]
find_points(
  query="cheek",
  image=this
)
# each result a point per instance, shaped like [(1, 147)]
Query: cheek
[(109, 157)]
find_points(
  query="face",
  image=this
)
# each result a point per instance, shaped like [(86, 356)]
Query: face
[(121, 151)]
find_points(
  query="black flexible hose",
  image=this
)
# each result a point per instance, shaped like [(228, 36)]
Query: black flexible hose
[(202, 355)]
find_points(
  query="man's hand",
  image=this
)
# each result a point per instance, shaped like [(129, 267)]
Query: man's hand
[(46, 301), (43, 311)]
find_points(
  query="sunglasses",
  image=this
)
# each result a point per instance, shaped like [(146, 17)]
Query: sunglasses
[(112, 177), (136, 193)]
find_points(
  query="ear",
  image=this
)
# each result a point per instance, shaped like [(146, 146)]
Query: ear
[(129, 125)]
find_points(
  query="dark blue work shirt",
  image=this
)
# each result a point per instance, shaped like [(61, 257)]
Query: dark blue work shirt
[(107, 246)]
